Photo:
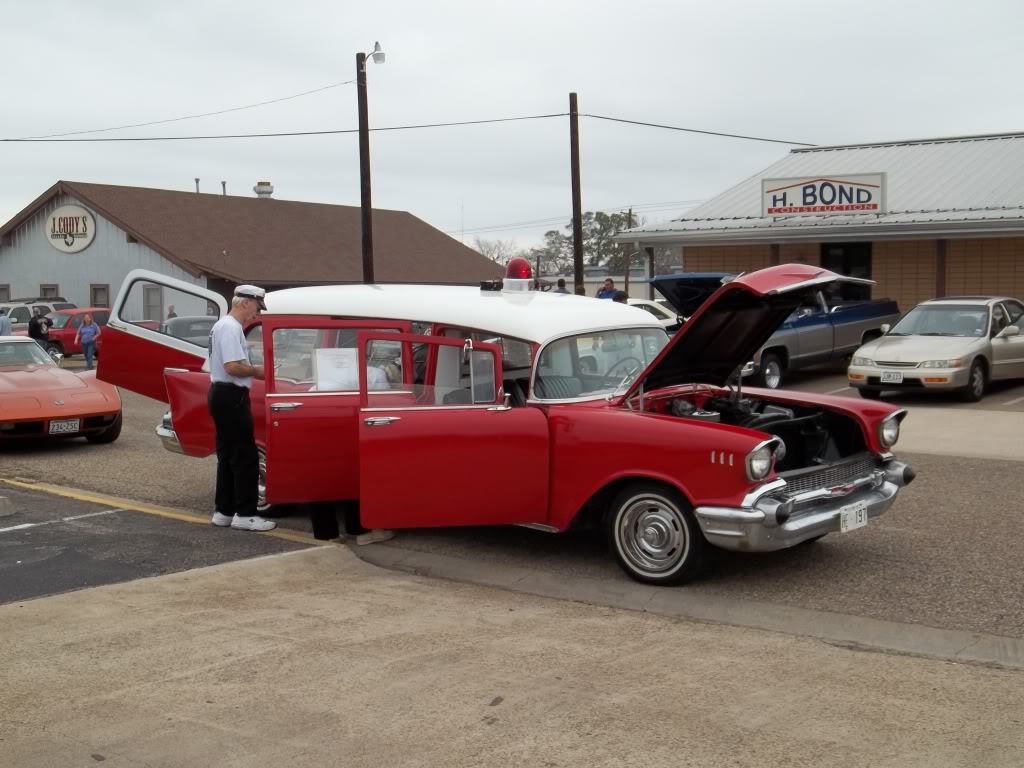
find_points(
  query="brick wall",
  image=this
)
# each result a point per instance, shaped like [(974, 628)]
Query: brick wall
[(726, 258), (985, 267), (806, 253), (903, 270)]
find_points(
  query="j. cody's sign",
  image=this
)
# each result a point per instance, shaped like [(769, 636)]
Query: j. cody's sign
[(823, 195), (70, 229)]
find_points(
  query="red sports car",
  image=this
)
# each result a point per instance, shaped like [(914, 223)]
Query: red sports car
[(40, 399)]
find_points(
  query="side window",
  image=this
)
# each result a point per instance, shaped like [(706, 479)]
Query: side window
[(170, 311), (76, 321), (1014, 311), (101, 318), (254, 341), (19, 315), (327, 360)]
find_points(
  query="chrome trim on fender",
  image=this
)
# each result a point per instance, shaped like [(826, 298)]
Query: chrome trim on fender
[(538, 527), (169, 439)]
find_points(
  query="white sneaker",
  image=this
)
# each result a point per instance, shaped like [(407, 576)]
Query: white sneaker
[(375, 535), (221, 520), (254, 523)]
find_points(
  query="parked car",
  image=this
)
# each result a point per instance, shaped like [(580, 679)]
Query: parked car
[(38, 399), (669, 320), (20, 310), (505, 406), (953, 344), (821, 330), (194, 329), (66, 322)]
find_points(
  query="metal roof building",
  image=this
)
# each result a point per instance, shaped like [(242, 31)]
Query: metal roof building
[(947, 217)]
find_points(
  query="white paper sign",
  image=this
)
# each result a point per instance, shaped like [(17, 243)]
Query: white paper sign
[(336, 370)]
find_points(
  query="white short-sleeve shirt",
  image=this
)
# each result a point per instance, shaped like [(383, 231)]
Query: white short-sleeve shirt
[(227, 345)]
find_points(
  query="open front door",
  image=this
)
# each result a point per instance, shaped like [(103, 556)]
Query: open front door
[(453, 453), (157, 322)]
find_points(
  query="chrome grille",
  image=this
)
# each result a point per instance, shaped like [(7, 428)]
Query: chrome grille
[(831, 476), (884, 364)]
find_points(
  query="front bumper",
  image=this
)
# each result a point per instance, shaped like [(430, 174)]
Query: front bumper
[(165, 431), (769, 519), (914, 379)]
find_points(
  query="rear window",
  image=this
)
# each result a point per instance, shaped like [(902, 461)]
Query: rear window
[(65, 305)]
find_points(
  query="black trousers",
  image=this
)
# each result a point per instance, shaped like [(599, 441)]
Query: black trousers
[(238, 463)]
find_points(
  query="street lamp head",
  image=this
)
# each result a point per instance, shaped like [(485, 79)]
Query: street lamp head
[(378, 54)]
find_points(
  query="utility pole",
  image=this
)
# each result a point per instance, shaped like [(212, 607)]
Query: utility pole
[(577, 206), (364, 170), (626, 253)]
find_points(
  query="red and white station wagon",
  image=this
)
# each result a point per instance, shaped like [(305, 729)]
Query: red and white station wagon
[(450, 406)]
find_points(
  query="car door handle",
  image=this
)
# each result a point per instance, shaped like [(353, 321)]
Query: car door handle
[(380, 421), (284, 406)]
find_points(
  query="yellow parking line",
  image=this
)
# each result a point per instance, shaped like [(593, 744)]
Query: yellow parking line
[(151, 509)]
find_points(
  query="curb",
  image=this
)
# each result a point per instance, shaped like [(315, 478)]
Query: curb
[(839, 629)]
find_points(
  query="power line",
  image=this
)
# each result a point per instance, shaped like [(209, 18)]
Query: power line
[(695, 130), (292, 133), (188, 117)]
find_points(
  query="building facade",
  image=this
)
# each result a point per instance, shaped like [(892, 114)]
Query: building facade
[(940, 217), (80, 241)]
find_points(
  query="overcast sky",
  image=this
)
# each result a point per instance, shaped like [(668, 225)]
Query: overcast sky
[(826, 73)]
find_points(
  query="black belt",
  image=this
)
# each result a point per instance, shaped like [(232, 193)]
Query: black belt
[(228, 384)]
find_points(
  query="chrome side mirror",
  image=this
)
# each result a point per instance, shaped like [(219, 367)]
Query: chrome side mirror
[(58, 358), (885, 328), (1010, 330)]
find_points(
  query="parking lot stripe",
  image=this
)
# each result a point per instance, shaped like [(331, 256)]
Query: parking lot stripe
[(126, 505), (59, 520), (837, 391), (1014, 401)]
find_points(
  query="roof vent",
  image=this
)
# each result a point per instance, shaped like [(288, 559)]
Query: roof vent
[(264, 189)]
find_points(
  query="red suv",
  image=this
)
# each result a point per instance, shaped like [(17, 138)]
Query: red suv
[(66, 323)]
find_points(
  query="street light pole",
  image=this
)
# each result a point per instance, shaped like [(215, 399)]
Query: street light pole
[(366, 207)]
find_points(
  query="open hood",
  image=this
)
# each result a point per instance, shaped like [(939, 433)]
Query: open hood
[(686, 291), (726, 330)]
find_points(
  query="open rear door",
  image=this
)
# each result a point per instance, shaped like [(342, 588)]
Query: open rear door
[(157, 322), (454, 453)]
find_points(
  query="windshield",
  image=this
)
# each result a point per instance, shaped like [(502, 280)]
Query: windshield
[(595, 364), (20, 354), (943, 320), (59, 320)]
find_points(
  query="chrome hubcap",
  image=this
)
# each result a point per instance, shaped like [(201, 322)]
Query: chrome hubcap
[(652, 535), (977, 381), (773, 375), (261, 500)]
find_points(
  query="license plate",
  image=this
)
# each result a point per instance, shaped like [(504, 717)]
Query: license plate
[(892, 377), (64, 426), (853, 516)]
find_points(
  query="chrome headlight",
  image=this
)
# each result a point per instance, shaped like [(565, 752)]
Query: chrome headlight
[(889, 431), (958, 363), (861, 361), (759, 461)]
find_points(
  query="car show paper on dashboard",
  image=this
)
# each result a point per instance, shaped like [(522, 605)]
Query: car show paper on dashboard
[(336, 370)]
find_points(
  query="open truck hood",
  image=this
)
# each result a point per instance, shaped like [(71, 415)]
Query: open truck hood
[(688, 290), (727, 329)]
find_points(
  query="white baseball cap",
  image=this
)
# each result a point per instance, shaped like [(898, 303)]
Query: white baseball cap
[(252, 292)]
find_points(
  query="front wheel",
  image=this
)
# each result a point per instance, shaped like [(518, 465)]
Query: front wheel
[(654, 535), (108, 435), (976, 383), (261, 493), (772, 371)]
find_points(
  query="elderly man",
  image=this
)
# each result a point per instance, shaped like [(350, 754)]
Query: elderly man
[(231, 375)]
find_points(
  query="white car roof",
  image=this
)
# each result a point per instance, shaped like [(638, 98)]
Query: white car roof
[(17, 340), (534, 316)]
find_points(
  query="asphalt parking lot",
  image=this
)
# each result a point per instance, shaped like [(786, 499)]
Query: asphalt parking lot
[(942, 557)]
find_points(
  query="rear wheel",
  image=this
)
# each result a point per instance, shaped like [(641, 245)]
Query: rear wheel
[(976, 383), (654, 535), (54, 348), (109, 435), (772, 371)]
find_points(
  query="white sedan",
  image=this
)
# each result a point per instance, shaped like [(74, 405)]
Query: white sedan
[(664, 314)]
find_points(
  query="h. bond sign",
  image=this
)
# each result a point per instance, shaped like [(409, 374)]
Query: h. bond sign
[(823, 195)]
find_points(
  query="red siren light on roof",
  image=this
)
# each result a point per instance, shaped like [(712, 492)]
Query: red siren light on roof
[(518, 269)]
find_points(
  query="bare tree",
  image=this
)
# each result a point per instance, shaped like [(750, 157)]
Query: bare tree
[(499, 251)]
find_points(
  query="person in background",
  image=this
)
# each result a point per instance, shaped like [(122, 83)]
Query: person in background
[(5, 322), (561, 286), (170, 311), (607, 291), (39, 327), (621, 297), (87, 334)]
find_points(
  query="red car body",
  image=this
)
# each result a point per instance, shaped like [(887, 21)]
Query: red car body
[(66, 322), (672, 462)]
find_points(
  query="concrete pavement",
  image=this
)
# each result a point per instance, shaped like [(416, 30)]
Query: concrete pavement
[(968, 433), (316, 659)]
